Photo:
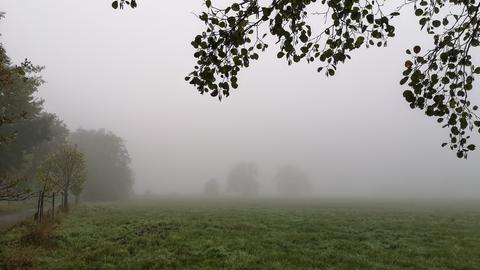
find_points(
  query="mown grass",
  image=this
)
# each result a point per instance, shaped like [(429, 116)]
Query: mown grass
[(264, 234)]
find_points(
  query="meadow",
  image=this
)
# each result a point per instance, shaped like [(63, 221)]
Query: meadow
[(199, 233)]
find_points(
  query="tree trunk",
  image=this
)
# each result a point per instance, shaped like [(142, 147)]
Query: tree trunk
[(37, 215), (61, 200), (41, 205), (53, 205), (65, 200)]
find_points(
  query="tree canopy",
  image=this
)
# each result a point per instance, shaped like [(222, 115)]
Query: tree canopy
[(438, 80), (109, 176), (17, 101), (18, 84)]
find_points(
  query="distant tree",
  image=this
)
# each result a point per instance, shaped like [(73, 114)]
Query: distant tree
[(211, 188), (291, 181), (56, 135), (439, 80), (108, 162), (242, 179), (20, 159), (30, 134)]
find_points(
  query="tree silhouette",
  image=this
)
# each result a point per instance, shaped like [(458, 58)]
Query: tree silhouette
[(108, 161), (438, 79)]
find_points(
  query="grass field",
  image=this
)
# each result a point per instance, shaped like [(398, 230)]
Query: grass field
[(256, 234)]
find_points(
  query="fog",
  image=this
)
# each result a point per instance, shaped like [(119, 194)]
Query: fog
[(124, 71)]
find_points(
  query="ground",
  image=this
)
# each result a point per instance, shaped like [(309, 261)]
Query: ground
[(14, 212), (256, 234)]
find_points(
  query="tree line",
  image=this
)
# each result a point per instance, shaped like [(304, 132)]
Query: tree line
[(242, 180), (437, 80), (41, 158)]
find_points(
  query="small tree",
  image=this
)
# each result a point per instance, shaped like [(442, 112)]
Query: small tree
[(50, 181), (212, 188), (65, 171)]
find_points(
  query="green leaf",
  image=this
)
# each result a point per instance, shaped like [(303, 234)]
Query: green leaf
[(359, 41), (370, 18), (408, 64), (409, 96), (231, 20), (303, 38), (454, 130), (235, 7)]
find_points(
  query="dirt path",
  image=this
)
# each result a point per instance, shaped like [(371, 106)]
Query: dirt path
[(8, 220)]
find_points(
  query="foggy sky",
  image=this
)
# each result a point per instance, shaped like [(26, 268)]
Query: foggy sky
[(123, 70)]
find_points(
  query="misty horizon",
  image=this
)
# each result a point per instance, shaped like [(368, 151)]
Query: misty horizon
[(353, 133)]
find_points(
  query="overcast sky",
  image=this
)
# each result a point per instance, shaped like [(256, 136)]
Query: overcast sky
[(123, 70)]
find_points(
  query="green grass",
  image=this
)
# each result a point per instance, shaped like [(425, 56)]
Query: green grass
[(263, 234)]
